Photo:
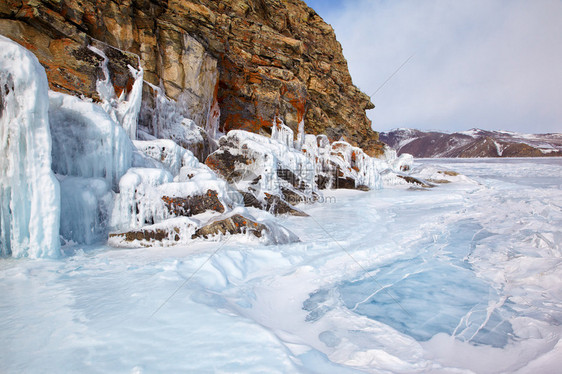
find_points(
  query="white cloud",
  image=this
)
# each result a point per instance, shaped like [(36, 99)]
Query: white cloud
[(484, 63)]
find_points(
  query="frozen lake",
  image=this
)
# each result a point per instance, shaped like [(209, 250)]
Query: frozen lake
[(462, 278)]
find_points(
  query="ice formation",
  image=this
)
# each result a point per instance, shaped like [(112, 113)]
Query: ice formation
[(92, 150), (172, 156), (142, 192), (124, 109), (29, 192), (86, 141), (137, 204), (112, 183), (307, 165), (167, 121), (86, 205)]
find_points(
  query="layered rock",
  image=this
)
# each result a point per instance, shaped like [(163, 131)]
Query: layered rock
[(255, 59)]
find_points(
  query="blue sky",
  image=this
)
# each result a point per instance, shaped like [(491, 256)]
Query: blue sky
[(492, 64)]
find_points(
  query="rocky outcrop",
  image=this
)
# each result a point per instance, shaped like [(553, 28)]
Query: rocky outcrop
[(173, 232), (261, 169), (415, 181), (255, 59), (473, 143), (193, 204), (235, 224)]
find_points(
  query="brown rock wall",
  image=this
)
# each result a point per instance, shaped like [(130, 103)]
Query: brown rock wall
[(271, 57)]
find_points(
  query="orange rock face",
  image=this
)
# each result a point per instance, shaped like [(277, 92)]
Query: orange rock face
[(269, 57)]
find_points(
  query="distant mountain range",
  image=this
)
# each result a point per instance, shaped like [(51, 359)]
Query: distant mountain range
[(472, 143)]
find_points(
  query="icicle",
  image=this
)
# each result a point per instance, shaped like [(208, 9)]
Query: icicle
[(128, 110), (300, 136)]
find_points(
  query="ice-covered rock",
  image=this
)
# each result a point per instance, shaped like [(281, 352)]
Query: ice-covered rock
[(195, 196), (440, 175), (86, 141), (167, 152), (403, 162), (354, 168), (169, 121), (292, 170), (152, 195), (173, 231), (29, 191), (124, 109), (137, 203), (86, 205), (236, 223), (259, 166), (191, 205)]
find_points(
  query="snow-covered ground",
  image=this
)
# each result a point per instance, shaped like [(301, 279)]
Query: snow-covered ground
[(462, 278)]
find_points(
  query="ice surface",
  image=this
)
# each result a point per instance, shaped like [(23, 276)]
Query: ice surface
[(29, 192), (86, 141), (464, 278)]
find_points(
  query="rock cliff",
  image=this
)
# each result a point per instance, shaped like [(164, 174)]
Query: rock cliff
[(253, 59)]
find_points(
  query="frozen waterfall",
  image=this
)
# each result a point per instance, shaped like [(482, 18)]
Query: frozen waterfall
[(29, 191)]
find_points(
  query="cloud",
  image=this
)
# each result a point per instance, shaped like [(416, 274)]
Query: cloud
[(485, 63)]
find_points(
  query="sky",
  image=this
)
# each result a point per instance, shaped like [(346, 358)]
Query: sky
[(490, 64)]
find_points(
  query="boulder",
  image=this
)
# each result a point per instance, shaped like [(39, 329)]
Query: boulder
[(171, 232), (236, 224), (192, 205), (416, 181)]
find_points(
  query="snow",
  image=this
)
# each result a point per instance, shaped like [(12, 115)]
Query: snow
[(86, 141), (474, 133), (499, 148), (463, 278), (29, 192)]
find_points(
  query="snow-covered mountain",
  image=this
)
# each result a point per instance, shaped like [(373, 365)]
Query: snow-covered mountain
[(472, 143)]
